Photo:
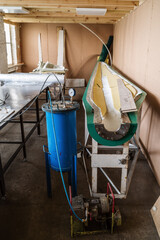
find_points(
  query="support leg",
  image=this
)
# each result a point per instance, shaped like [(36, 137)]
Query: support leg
[(48, 175), (125, 170), (23, 136), (2, 182), (139, 123), (74, 176), (124, 180), (37, 116), (94, 180), (131, 171), (94, 170)]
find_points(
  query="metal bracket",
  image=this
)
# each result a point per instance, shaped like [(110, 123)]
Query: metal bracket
[(44, 149)]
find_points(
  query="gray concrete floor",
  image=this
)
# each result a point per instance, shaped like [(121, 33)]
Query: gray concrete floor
[(27, 213)]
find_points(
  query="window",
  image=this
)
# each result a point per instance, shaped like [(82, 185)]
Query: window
[(11, 48)]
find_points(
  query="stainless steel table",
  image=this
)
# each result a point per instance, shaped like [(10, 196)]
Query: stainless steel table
[(20, 97)]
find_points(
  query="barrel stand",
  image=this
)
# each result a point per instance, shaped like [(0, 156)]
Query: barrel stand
[(72, 174)]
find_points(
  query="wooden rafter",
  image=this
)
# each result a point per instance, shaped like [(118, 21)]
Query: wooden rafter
[(65, 20), (59, 14), (64, 11), (85, 3)]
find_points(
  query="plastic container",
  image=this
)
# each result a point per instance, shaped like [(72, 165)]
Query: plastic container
[(65, 126)]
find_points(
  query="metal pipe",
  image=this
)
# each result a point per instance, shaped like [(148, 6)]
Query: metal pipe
[(23, 136), (89, 152), (31, 77), (130, 174), (37, 116), (105, 174), (131, 147)]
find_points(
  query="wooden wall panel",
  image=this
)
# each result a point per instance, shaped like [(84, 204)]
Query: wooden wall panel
[(82, 48), (136, 54)]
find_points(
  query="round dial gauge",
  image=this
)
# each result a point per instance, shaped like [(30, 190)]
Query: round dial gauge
[(72, 92)]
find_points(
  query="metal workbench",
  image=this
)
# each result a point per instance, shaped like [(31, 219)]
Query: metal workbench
[(21, 95)]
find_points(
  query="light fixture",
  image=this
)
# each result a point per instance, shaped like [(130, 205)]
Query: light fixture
[(13, 9), (91, 11)]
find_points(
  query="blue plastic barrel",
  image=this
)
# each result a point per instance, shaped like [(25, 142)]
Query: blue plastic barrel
[(66, 134)]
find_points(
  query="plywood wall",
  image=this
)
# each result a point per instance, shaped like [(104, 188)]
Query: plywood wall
[(82, 48), (3, 58), (136, 54)]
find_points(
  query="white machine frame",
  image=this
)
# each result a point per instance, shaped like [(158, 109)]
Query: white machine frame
[(113, 161)]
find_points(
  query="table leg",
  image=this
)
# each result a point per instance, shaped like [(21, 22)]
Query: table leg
[(47, 88), (23, 136), (37, 115)]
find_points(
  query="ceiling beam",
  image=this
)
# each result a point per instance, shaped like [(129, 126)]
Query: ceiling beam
[(69, 3), (61, 11), (73, 9), (10, 22), (60, 14), (96, 20)]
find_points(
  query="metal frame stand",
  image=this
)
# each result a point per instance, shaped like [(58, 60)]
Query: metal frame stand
[(72, 174), (113, 161), (22, 143)]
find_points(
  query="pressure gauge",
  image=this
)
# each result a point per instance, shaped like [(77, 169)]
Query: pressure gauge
[(72, 92)]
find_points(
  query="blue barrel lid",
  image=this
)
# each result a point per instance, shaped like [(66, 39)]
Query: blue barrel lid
[(59, 106)]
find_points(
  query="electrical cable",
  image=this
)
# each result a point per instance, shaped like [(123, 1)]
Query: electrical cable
[(110, 57), (56, 145)]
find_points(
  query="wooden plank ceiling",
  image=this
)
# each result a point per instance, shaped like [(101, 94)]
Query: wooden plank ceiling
[(64, 11)]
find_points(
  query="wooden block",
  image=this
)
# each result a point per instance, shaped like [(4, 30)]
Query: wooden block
[(126, 99), (75, 82), (155, 211)]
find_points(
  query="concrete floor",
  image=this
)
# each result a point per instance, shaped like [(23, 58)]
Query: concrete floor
[(27, 213)]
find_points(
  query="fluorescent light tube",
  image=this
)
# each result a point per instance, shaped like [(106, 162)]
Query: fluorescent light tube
[(9, 9), (91, 11)]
